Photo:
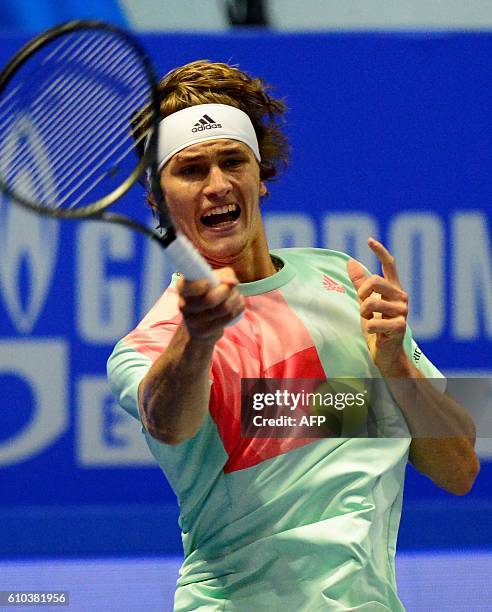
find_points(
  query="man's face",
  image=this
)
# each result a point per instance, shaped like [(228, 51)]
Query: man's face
[(212, 190)]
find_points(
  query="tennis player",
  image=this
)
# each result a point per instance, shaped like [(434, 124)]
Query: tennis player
[(274, 523)]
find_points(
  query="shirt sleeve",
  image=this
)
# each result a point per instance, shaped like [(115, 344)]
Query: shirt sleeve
[(126, 368), (426, 367), (133, 356), (183, 464)]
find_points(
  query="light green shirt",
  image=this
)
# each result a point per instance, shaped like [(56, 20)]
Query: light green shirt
[(276, 524)]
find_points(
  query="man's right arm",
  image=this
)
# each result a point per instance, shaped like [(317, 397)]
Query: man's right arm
[(174, 395)]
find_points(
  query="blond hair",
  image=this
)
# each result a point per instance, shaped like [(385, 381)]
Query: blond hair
[(205, 82)]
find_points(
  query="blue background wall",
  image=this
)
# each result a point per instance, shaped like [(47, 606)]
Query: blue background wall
[(390, 135)]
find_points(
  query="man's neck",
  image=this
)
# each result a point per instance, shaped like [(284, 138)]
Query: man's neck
[(255, 263)]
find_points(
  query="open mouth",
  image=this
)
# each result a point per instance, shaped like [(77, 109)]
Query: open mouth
[(220, 215)]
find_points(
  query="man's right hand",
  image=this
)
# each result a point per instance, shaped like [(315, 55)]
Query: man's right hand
[(207, 310)]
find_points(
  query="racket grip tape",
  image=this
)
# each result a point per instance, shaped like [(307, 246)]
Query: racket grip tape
[(191, 264), (188, 260)]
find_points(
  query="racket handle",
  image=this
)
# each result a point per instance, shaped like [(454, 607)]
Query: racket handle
[(189, 261), (191, 264)]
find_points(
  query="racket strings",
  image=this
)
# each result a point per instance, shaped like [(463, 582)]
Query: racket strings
[(110, 63), (98, 180), (23, 84), (100, 54), (20, 101), (57, 83), (50, 58), (6, 99), (73, 42), (66, 119), (64, 151), (28, 179), (56, 128), (86, 99), (101, 160), (85, 161), (90, 143), (50, 185), (96, 155), (55, 86)]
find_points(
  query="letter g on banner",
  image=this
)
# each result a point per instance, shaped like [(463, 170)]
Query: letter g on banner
[(42, 365), (28, 242)]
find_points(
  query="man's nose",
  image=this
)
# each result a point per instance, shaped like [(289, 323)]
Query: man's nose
[(218, 183)]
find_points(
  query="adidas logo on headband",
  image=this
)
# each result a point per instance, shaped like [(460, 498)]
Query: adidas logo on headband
[(181, 129), (205, 123)]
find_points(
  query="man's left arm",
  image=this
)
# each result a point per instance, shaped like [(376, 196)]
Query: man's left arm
[(443, 433)]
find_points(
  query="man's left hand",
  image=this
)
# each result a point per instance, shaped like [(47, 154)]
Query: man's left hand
[(383, 310)]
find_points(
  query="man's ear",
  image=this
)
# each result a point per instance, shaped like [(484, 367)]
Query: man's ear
[(153, 207), (263, 189)]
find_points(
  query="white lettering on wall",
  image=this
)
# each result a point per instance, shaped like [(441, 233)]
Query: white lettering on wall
[(348, 232), (471, 281), (106, 303), (106, 434), (289, 230), (29, 244), (42, 365), (157, 270), (449, 288), (416, 240)]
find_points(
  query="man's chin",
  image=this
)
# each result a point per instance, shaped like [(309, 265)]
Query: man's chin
[(223, 255)]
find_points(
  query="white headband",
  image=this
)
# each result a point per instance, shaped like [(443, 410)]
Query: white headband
[(204, 122)]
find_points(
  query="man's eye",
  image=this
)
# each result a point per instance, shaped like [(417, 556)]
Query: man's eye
[(189, 170), (233, 162)]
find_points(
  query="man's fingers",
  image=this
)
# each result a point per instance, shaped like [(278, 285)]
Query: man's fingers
[(356, 273), (226, 311), (195, 288), (200, 287), (227, 276), (206, 322), (383, 286), (207, 301), (207, 309), (387, 260), (374, 306), (387, 327)]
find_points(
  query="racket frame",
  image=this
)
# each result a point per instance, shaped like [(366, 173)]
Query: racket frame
[(147, 160), (181, 250)]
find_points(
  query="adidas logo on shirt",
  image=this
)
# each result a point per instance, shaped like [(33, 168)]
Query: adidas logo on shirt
[(417, 354), (205, 123), (330, 285)]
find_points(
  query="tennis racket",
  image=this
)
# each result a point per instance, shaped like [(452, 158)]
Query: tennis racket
[(73, 136)]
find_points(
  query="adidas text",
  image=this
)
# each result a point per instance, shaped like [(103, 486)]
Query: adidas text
[(209, 126)]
